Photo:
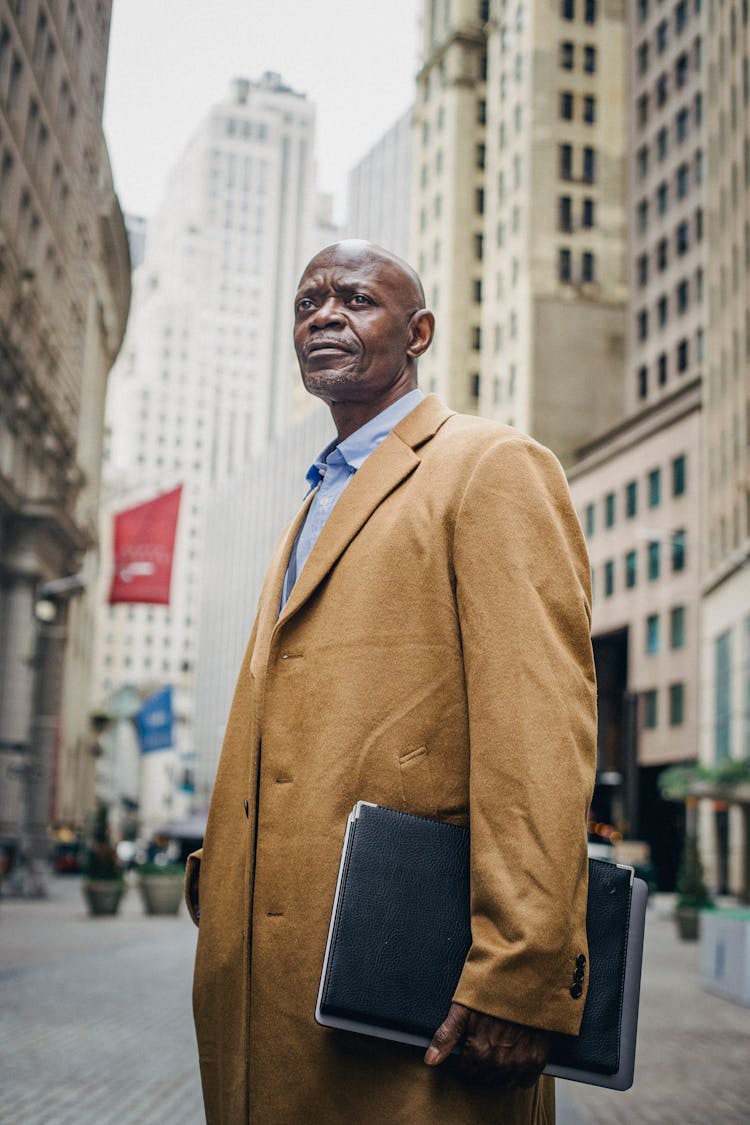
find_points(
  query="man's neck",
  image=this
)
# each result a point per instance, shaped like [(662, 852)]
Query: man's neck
[(349, 417)]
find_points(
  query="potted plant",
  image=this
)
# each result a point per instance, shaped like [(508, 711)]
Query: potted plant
[(692, 894), (161, 885), (104, 879)]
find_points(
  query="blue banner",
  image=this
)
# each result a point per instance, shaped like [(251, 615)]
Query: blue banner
[(155, 720)]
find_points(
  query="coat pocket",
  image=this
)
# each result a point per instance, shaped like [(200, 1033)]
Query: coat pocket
[(417, 786)]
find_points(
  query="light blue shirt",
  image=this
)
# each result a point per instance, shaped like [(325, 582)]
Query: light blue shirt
[(332, 470)]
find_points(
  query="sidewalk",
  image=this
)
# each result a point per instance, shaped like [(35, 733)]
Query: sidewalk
[(96, 1026)]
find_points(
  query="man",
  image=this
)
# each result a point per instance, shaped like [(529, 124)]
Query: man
[(422, 642)]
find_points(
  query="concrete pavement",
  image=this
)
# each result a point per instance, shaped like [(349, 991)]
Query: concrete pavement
[(96, 1026)]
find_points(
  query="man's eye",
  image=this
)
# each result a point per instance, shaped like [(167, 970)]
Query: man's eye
[(304, 304), (359, 299)]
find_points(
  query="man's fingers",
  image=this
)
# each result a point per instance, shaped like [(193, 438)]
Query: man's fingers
[(448, 1035)]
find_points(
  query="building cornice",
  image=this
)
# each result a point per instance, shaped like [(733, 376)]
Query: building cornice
[(637, 427)]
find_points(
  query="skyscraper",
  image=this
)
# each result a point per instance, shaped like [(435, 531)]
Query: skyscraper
[(207, 371), (519, 212)]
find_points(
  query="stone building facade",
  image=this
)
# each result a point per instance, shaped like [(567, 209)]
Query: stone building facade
[(64, 298)]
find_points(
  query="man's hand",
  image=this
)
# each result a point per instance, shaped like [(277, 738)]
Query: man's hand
[(493, 1052)]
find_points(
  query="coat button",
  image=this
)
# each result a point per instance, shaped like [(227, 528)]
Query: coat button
[(246, 807), (576, 991), (579, 974), (580, 960)]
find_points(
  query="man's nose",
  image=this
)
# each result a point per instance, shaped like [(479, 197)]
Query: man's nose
[(328, 314)]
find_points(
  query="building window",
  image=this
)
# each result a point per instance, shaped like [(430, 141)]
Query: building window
[(566, 162), (643, 216), (679, 549), (676, 704), (476, 291), (679, 475), (609, 509), (476, 338), (568, 9), (683, 180), (641, 109), (680, 17), (682, 124), (565, 215), (723, 697), (590, 519), (588, 267), (662, 143), (564, 271), (681, 70), (643, 381), (588, 214), (677, 627), (631, 499), (662, 89), (683, 355), (609, 578), (654, 488), (662, 369), (566, 105), (682, 238), (567, 55), (662, 254), (589, 11), (654, 560), (642, 270), (643, 324), (662, 198), (589, 109), (642, 57), (662, 311), (589, 59), (642, 158), (662, 32), (683, 296), (650, 709), (631, 569), (652, 633), (589, 165)]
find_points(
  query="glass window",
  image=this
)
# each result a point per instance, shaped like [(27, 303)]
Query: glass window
[(652, 633), (677, 626), (565, 216), (609, 509), (564, 267), (662, 32), (589, 59), (609, 578), (589, 11), (679, 475), (654, 560), (654, 488), (566, 162), (643, 57), (568, 9), (588, 214), (683, 355), (676, 704), (566, 105), (662, 198), (679, 549), (590, 519), (723, 697), (682, 124), (683, 296), (567, 55), (588, 267), (589, 109), (631, 499), (662, 311), (631, 569), (650, 709), (662, 142), (662, 254), (589, 165), (661, 367), (642, 381)]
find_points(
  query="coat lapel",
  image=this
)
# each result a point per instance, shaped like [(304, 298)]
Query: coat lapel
[(383, 471)]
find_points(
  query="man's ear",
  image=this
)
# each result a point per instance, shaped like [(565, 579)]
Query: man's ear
[(421, 331)]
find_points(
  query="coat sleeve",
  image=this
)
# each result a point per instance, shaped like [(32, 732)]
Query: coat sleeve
[(523, 595), (192, 884)]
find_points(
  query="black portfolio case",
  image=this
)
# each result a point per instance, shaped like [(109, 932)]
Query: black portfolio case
[(400, 932)]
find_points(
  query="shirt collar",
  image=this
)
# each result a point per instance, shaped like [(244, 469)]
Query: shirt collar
[(355, 449)]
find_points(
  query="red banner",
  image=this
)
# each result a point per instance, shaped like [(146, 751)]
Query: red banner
[(144, 547)]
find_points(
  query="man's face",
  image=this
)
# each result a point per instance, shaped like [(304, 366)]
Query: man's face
[(353, 330)]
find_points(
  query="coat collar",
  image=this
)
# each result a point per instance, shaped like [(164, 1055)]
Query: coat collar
[(394, 459)]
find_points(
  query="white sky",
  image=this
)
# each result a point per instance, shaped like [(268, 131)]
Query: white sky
[(170, 60)]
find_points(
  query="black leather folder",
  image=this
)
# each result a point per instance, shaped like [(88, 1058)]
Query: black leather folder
[(400, 931)]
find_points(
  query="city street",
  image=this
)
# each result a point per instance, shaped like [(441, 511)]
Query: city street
[(96, 1027)]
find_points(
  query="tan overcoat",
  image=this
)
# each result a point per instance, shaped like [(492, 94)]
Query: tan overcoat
[(434, 656)]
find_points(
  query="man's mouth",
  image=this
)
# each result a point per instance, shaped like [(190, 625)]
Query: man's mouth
[(326, 346)]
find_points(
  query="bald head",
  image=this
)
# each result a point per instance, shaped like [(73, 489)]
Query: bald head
[(354, 252)]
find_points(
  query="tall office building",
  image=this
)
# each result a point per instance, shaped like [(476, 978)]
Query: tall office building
[(667, 248), (726, 544), (207, 372), (519, 211), (64, 294), (379, 190)]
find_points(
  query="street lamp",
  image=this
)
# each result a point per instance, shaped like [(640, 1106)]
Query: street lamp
[(50, 613)]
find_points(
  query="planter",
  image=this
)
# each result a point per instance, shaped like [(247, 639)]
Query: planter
[(162, 894), (687, 919), (103, 896)]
